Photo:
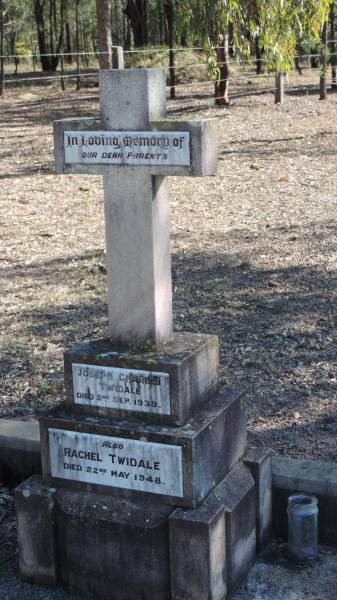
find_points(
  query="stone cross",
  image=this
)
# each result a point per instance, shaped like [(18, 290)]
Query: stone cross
[(134, 147)]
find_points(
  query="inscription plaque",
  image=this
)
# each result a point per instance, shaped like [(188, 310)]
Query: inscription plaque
[(116, 462), (127, 389), (127, 147)]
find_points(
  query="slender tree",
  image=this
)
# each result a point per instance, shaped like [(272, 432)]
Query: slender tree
[(2, 46), (169, 15), (323, 92), (333, 57), (103, 11), (77, 18)]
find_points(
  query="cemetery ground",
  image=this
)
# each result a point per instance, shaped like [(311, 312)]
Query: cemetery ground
[(254, 261)]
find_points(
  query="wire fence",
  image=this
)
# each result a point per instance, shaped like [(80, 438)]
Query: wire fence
[(186, 70)]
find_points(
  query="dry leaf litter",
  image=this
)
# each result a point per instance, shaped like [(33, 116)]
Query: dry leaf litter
[(254, 254)]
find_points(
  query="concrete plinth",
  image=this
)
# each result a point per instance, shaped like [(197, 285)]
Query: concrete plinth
[(103, 547), (214, 546), (19, 451), (35, 512), (259, 461), (237, 492), (186, 462), (198, 552), (163, 386)]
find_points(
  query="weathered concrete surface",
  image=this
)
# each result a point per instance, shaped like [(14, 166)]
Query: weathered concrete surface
[(35, 511), (219, 535), (19, 450), (204, 147), (191, 361), (237, 493), (101, 546), (259, 461), (137, 217), (198, 552), (312, 477), (112, 547), (212, 442)]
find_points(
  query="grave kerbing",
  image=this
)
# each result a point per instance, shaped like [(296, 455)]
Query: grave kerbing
[(144, 428)]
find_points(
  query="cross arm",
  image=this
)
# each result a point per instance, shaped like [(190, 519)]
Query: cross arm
[(202, 147), (203, 144)]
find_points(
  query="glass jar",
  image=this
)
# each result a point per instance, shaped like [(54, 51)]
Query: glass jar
[(302, 527)]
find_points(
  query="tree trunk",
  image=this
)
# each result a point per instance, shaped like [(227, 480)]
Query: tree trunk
[(160, 21), (144, 22), (116, 35), (333, 50), (51, 26), (60, 43), (222, 86), (279, 87), (41, 34), (135, 10), (169, 15), (323, 94), (68, 44), (56, 38), (2, 85), (298, 58), (258, 54), (103, 11), (78, 80)]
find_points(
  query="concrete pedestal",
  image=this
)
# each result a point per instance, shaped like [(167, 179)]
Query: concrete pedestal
[(215, 543), (209, 445), (133, 383), (121, 549), (102, 547), (259, 461)]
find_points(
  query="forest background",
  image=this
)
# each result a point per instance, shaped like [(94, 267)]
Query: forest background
[(272, 33)]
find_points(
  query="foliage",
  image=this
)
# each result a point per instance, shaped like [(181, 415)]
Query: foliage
[(283, 22), (278, 24), (14, 14)]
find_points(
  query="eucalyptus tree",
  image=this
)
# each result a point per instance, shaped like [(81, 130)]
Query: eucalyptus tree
[(277, 24), (212, 22), (12, 18), (283, 22), (103, 11)]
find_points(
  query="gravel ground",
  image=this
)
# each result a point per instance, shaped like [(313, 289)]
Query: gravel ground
[(273, 578), (12, 588)]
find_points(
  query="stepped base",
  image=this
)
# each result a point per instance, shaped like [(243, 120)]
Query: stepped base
[(120, 549), (170, 465)]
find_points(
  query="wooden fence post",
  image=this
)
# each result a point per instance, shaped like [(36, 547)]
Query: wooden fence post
[(117, 53)]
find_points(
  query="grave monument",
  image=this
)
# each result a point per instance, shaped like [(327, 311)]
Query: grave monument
[(147, 490)]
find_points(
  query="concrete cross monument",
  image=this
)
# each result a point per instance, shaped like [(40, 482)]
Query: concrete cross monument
[(134, 147), (146, 489)]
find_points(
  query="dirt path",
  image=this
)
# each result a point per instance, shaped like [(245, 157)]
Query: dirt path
[(254, 260)]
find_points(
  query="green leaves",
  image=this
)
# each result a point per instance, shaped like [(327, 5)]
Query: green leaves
[(278, 24), (283, 22)]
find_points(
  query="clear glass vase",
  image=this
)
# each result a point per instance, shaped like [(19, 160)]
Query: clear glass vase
[(302, 527)]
